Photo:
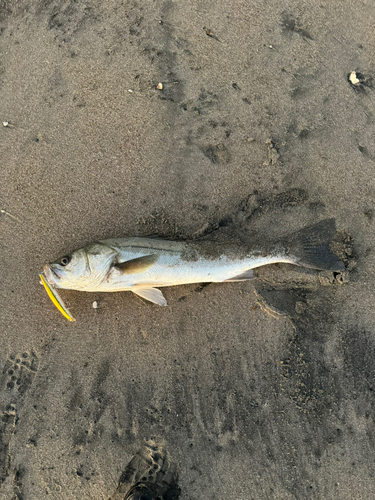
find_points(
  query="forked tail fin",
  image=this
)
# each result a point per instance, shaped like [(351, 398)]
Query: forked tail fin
[(311, 246)]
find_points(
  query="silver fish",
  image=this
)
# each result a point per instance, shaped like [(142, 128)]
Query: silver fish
[(142, 264)]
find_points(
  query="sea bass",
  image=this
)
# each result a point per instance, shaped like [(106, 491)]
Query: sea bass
[(142, 265)]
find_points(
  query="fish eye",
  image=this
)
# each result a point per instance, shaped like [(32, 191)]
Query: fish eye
[(64, 261)]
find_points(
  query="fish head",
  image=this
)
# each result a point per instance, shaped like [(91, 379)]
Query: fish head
[(83, 269)]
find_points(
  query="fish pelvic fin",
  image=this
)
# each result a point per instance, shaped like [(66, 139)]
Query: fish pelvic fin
[(247, 275), (137, 265), (151, 294), (311, 246)]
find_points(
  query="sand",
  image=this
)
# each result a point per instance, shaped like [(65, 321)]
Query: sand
[(258, 390)]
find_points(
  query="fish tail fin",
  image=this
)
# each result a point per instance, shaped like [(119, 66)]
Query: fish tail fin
[(311, 246)]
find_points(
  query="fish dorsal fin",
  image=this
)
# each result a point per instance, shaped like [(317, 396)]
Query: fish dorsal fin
[(247, 275), (151, 294), (137, 265)]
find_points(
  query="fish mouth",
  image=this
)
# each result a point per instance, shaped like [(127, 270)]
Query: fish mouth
[(51, 274)]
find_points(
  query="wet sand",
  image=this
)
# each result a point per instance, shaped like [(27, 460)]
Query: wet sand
[(258, 390)]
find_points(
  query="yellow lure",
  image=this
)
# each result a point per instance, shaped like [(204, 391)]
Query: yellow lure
[(56, 299)]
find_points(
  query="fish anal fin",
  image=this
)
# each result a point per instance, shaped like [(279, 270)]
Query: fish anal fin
[(247, 275), (137, 265), (152, 295)]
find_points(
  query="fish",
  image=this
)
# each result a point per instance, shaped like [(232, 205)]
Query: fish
[(142, 265)]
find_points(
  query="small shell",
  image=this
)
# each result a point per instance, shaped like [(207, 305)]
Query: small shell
[(353, 78), (95, 305), (159, 86)]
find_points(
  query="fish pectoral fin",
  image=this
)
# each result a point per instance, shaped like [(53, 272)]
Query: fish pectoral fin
[(152, 294), (137, 265), (247, 275)]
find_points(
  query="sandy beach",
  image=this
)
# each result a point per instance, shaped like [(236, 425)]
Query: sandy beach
[(223, 120)]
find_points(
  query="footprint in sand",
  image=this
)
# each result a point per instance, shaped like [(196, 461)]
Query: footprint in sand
[(18, 373), (150, 468), (16, 378)]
